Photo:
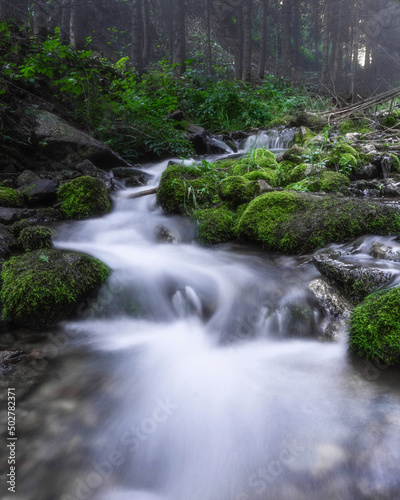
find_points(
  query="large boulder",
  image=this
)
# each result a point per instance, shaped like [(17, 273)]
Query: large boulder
[(68, 145), (84, 197), (355, 281), (86, 167), (43, 287), (40, 191), (375, 327), (11, 215), (8, 243), (293, 222)]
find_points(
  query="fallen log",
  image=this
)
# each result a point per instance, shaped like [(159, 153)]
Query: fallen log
[(346, 112), (143, 193)]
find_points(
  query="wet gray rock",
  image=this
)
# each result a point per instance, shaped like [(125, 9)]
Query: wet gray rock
[(264, 186), (69, 146), (368, 188), (88, 168), (8, 243), (369, 171), (11, 215), (40, 191), (27, 177), (330, 298), (381, 251), (355, 282), (390, 190)]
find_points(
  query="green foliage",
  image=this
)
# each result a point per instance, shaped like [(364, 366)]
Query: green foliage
[(84, 197), (35, 238), (214, 225), (128, 112), (10, 198), (38, 291), (375, 327)]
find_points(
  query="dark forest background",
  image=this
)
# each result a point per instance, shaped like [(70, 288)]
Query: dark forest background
[(345, 46)]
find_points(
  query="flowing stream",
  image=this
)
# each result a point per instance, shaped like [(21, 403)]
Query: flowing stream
[(197, 374)]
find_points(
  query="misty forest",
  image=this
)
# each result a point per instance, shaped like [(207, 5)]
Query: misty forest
[(200, 249)]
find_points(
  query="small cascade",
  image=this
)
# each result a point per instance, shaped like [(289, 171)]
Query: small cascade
[(275, 140), (386, 166)]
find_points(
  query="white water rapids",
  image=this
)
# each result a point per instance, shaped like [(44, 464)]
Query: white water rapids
[(193, 377)]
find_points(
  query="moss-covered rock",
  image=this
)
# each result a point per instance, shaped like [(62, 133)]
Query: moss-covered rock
[(265, 174), (293, 222), (84, 197), (375, 327), (258, 160), (296, 154), (237, 190), (19, 226), (43, 287), (303, 136), (392, 119), (332, 182), (9, 197), (342, 158), (215, 225), (308, 184), (185, 188), (35, 238)]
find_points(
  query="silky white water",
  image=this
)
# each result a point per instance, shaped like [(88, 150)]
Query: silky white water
[(197, 374)]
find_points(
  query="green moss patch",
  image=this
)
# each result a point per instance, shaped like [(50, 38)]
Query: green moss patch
[(84, 197), (375, 327), (35, 238), (185, 188), (11, 198), (298, 223), (237, 190), (215, 225), (45, 286)]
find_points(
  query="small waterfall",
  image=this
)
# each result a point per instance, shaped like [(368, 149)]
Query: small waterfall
[(386, 166), (275, 140)]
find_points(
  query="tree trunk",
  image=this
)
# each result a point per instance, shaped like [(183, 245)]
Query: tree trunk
[(316, 33), (146, 33), (247, 41), (325, 39), (65, 22), (137, 35), (263, 39), (338, 51), (180, 36), (239, 44), (296, 33), (77, 28), (286, 34), (208, 37), (40, 20), (355, 52)]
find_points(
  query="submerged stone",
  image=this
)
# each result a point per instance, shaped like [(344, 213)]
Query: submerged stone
[(355, 281)]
